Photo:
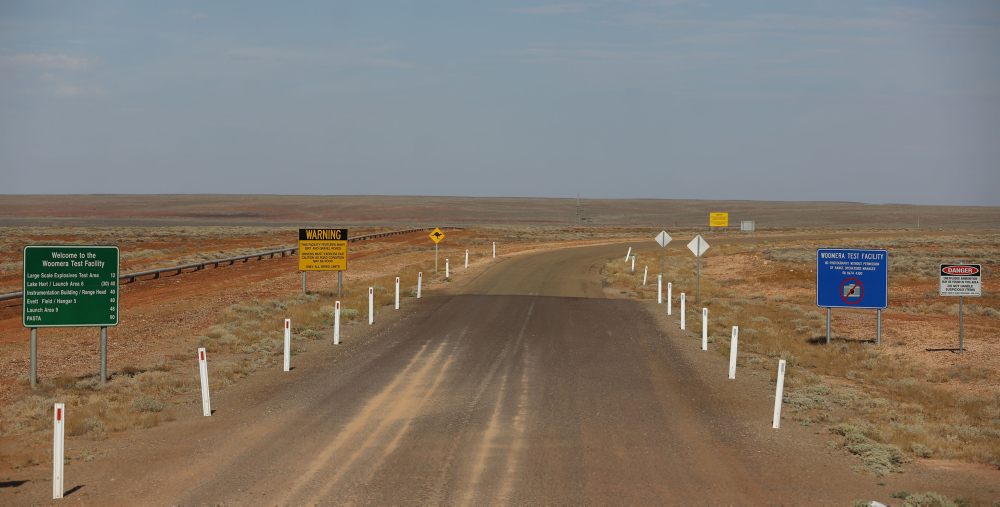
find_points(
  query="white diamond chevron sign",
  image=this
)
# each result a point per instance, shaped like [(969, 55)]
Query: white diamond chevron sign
[(698, 246), (663, 238)]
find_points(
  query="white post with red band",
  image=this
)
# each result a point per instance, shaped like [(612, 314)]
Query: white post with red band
[(420, 282), (288, 344), (704, 329), (371, 305), (206, 400), (397, 293), (58, 448), (336, 323), (776, 423), (732, 351)]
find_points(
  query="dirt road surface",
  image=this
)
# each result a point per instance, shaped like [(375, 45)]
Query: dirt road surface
[(522, 385)]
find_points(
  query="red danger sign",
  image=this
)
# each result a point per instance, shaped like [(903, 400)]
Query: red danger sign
[(961, 280), (967, 270)]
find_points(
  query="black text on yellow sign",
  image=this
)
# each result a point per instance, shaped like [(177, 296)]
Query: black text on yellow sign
[(718, 219), (322, 249)]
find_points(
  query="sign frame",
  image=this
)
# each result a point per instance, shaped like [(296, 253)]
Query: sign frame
[(977, 289), (336, 246), (877, 288), (718, 219), (113, 286), (437, 235)]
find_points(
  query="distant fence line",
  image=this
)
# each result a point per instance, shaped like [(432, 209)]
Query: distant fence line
[(229, 261)]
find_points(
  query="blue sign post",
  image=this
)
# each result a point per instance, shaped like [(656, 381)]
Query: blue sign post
[(849, 278)]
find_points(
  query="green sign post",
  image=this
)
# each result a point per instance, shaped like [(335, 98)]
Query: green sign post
[(70, 286)]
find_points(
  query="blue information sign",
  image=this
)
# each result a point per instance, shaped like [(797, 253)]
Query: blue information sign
[(852, 278)]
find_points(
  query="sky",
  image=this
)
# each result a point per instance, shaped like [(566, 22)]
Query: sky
[(878, 102)]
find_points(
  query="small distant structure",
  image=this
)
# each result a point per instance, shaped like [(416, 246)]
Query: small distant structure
[(747, 226)]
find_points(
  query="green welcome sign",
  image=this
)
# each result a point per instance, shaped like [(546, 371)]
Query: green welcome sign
[(70, 285)]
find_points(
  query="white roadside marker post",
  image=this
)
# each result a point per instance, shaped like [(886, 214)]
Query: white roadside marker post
[(645, 272), (58, 434), (494, 249), (704, 329), (288, 344), (628, 254), (420, 282), (447, 272), (683, 313), (659, 289), (633, 264), (371, 305), (397, 293), (670, 298), (336, 323), (206, 398), (778, 394), (466, 258), (732, 352)]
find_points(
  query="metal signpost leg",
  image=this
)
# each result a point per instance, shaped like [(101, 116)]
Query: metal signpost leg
[(340, 283), (697, 291), (435, 258), (34, 357), (303, 282), (828, 311), (104, 354), (961, 324), (878, 326)]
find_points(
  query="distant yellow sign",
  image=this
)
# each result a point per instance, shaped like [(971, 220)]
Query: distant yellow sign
[(718, 219), (436, 235), (322, 249)]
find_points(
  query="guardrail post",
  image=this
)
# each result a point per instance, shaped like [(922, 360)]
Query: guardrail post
[(58, 449), (733, 344), (206, 398), (371, 305), (778, 392), (336, 323), (288, 345)]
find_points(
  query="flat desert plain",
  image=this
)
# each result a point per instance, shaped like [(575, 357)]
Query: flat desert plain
[(912, 413)]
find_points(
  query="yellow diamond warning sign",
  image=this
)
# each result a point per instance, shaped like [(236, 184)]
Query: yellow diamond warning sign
[(322, 249), (436, 235)]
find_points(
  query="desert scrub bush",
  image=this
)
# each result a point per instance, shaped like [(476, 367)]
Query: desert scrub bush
[(91, 426), (877, 458), (921, 450), (925, 499), (145, 403)]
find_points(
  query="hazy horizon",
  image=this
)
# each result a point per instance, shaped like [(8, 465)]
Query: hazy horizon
[(877, 102)]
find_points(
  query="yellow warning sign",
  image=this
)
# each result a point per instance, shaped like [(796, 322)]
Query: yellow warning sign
[(436, 235), (322, 249), (718, 219)]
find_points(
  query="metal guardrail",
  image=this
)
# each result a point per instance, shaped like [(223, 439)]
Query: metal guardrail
[(229, 261)]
